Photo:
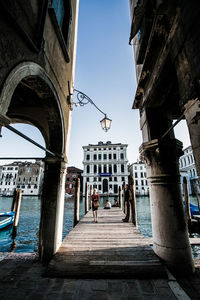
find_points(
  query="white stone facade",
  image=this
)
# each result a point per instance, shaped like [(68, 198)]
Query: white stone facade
[(105, 167), (188, 169), (8, 179), (22, 175), (138, 171)]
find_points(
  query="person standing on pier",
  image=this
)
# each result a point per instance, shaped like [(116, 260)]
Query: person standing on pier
[(95, 204)]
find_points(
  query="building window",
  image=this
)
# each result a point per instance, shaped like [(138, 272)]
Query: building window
[(35, 186), (123, 179), (110, 156), (99, 178), (115, 178), (95, 157), (136, 182), (145, 174), (105, 156), (141, 174), (99, 168), (114, 156), (88, 169), (87, 179), (135, 175), (99, 187), (122, 155), (110, 169), (122, 168), (62, 10), (110, 178), (95, 169), (99, 156), (88, 157), (115, 169), (142, 182), (135, 168), (105, 169)]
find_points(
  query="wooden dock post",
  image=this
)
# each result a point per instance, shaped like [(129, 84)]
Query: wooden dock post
[(187, 201), (197, 195), (76, 202), (120, 197), (91, 192), (13, 206), (86, 197), (17, 210), (132, 199), (124, 202)]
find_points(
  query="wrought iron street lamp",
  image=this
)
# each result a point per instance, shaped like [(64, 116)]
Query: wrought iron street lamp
[(83, 99)]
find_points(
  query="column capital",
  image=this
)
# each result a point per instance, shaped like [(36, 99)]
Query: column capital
[(160, 150)]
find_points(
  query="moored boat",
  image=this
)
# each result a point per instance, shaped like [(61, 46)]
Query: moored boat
[(6, 219)]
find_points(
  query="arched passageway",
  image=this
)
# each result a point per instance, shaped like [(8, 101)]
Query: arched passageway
[(29, 97)]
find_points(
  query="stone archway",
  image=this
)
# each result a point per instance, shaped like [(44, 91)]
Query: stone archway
[(29, 96)]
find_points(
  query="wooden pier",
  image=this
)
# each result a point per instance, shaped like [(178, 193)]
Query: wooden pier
[(107, 249)]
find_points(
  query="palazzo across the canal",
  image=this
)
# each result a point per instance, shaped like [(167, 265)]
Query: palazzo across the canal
[(105, 166)]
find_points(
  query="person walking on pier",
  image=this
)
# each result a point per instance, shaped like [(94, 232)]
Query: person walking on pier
[(95, 204)]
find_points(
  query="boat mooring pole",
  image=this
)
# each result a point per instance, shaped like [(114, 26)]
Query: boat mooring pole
[(91, 192), (197, 195), (120, 197), (132, 199), (125, 206), (86, 197), (13, 206), (76, 202), (17, 210), (187, 201)]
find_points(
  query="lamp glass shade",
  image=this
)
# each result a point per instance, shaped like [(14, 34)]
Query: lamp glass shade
[(105, 123)]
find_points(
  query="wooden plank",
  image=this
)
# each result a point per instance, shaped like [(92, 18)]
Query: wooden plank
[(109, 248)]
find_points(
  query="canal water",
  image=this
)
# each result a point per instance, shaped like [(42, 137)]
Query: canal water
[(27, 232)]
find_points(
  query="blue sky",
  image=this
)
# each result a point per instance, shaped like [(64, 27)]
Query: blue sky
[(105, 72)]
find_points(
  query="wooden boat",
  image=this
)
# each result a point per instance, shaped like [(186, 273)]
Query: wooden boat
[(6, 219)]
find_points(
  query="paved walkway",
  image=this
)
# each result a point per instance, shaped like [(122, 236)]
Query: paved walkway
[(21, 277)]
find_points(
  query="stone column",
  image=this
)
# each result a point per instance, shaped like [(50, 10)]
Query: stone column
[(192, 115), (52, 207), (169, 228)]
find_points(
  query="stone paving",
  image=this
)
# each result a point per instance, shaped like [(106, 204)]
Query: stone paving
[(21, 277)]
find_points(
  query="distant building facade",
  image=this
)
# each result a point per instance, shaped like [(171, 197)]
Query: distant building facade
[(138, 171), (105, 167), (188, 169), (22, 175), (9, 178), (72, 174)]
